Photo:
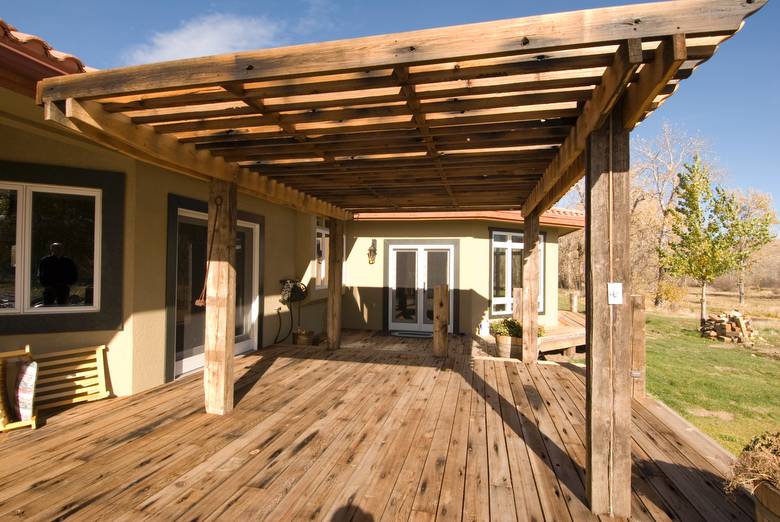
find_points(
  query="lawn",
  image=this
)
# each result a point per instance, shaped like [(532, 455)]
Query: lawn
[(724, 390)]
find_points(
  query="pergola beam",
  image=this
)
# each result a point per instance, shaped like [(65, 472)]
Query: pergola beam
[(488, 39), (141, 142), (614, 82)]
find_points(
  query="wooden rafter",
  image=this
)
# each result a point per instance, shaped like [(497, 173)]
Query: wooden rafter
[(442, 117), (288, 128)]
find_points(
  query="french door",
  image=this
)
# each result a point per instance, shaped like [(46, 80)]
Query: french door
[(414, 271), (191, 254)]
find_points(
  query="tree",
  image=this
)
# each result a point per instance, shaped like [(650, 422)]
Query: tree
[(751, 232), (655, 165), (703, 226)]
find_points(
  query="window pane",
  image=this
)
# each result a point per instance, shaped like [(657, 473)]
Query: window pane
[(62, 250), (517, 238), (405, 291), (438, 262), (517, 268), (501, 307), (8, 201), (244, 290), (500, 237), (499, 272)]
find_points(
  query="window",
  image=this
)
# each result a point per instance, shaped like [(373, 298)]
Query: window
[(507, 272), (49, 255), (321, 252)]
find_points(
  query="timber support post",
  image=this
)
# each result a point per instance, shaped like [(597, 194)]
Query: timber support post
[(335, 267), (530, 351), (574, 301), (638, 356), (220, 330), (608, 324), (517, 304), (441, 319)]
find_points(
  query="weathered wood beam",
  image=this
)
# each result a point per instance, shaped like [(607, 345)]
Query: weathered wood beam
[(288, 128), (608, 323), (335, 270), (614, 82), (142, 142), (441, 319), (220, 334), (530, 303), (488, 39), (654, 76)]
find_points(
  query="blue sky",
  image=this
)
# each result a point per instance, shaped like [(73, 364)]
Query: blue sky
[(733, 101)]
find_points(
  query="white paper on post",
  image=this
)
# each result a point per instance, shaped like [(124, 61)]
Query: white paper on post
[(614, 293)]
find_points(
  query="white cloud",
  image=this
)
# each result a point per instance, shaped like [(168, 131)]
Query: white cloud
[(317, 15), (209, 34)]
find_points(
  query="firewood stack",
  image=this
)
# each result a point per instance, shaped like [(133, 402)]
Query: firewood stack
[(730, 327)]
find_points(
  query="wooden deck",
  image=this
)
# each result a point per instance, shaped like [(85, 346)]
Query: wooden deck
[(568, 333), (378, 430)]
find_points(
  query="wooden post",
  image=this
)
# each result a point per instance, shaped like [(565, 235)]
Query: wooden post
[(441, 319), (638, 364), (335, 262), (517, 304), (574, 301), (530, 318), (220, 332), (608, 326)]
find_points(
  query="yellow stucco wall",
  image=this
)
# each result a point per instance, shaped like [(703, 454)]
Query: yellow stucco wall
[(136, 355), (363, 302)]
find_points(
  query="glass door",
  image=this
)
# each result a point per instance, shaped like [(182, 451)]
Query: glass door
[(414, 271), (191, 252)]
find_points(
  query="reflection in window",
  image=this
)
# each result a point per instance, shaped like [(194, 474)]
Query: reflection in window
[(8, 210), (49, 248), (499, 272), (62, 250)]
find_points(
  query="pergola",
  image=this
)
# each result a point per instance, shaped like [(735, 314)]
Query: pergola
[(497, 115)]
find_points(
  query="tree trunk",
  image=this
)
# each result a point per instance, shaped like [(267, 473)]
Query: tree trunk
[(741, 288), (703, 317), (657, 299)]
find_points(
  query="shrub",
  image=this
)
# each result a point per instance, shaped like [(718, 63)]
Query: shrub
[(671, 293), (511, 328), (759, 462)]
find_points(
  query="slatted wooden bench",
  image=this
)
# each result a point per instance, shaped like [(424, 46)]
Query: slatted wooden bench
[(70, 376)]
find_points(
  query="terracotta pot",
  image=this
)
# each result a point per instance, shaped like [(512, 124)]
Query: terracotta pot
[(509, 346), (767, 503), (303, 338)]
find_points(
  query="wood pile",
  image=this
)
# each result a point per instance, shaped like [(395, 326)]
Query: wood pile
[(730, 327)]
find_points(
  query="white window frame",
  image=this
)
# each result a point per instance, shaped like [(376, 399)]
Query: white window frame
[(510, 245), (22, 287), (321, 279)]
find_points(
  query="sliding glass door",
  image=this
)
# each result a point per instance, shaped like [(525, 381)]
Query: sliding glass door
[(191, 255)]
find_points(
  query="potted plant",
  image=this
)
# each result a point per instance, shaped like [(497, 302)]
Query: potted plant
[(294, 291), (509, 337), (758, 470)]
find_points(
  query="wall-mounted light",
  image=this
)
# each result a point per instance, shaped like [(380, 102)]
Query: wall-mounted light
[(372, 252)]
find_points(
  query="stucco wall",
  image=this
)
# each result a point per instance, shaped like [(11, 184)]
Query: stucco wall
[(363, 301), (136, 355)]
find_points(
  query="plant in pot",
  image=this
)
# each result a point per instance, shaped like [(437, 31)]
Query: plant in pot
[(509, 337), (758, 470), (294, 291)]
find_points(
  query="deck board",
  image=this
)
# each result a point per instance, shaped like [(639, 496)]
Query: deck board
[(378, 429)]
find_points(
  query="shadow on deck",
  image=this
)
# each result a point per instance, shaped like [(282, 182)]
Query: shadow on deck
[(378, 430)]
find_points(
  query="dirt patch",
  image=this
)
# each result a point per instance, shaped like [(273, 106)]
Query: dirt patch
[(701, 412)]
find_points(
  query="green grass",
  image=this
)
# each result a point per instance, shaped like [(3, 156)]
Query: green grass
[(724, 390)]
